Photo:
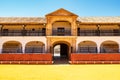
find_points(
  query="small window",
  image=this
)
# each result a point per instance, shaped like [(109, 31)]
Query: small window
[(78, 29), (61, 30), (0, 25), (5, 30), (33, 29), (43, 30)]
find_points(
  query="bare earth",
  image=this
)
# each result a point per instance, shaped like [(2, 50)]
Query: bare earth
[(59, 72)]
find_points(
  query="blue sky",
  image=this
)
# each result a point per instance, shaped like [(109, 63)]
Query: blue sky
[(39, 8)]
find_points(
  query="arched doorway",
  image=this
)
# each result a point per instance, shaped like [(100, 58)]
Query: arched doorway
[(61, 53)]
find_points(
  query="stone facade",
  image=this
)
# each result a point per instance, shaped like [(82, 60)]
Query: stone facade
[(58, 28)]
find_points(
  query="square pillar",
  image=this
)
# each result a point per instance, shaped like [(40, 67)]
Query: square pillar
[(23, 48), (0, 49)]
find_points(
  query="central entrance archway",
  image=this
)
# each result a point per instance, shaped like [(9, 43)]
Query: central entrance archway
[(61, 53)]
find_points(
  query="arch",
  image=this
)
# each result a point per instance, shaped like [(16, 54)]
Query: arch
[(61, 20), (12, 47), (109, 47), (34, 47), (87, 47), (59, 42), (62, 42), (61, 51), (61, 28)]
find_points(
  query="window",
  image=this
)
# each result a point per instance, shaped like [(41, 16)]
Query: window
[(43, 30), (5, 29), (33, 29), (62, 30)]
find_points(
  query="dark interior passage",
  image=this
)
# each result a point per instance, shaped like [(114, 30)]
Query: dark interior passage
[(61, 52)]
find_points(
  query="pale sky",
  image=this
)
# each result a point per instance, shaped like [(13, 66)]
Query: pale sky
[(39, 8)]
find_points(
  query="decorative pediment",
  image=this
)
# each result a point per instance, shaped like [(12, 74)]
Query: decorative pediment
[(61, 12)]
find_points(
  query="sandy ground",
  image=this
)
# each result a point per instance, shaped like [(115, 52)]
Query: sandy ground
[(59, 72)]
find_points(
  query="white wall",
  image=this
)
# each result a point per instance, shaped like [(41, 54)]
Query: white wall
[(98, 40), (22, 40)]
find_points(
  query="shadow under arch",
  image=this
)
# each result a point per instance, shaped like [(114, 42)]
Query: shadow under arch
[(34, 47), (12, 47), (109, 46), (61, 51), (61, 28)]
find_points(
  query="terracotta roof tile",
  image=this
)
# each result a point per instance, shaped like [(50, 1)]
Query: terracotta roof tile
[(99, 19), (43, 20), (22, 20)]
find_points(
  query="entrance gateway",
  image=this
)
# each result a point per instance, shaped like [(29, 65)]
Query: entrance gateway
[(61, 53)]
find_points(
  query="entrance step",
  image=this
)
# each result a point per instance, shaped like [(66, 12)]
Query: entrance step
[(59, 60)]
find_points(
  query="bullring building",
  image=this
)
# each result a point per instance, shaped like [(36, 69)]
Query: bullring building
[(59, 36)]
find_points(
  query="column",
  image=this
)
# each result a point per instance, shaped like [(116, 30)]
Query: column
[(0, 48), (98, 48), (76, 48), (49, 30), (74, 29), (24, 30), (23, 48), (119, 47), (119, 29), (74, 45), (98, 30), (48, 45), (43, 49), (1, 28)]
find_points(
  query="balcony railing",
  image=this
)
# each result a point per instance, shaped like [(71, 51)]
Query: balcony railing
[(27, 50), (94, 50), (109, 50), (57, 33), (63, 33), (87, 50), (34, 50), (11, 50), (22, 33), (99, 33)]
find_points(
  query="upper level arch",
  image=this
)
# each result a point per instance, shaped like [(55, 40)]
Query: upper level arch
[(61, 28)]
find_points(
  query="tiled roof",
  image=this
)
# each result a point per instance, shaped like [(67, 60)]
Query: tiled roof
[(99, 19), (37, 20), (22, 20)]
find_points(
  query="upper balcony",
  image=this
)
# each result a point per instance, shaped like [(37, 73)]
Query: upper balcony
[(61, 28), (61, 32), (98, 30), (99, 33), (23, 33), (22, 30)]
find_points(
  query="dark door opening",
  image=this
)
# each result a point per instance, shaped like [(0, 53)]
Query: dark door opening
[(61, 52)]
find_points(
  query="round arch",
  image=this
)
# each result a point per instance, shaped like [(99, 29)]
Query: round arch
[(59, 42), (34, 47), (61, 19), (109, 47), (61, 28), (61, 51), (12, 47), (87, 47)]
